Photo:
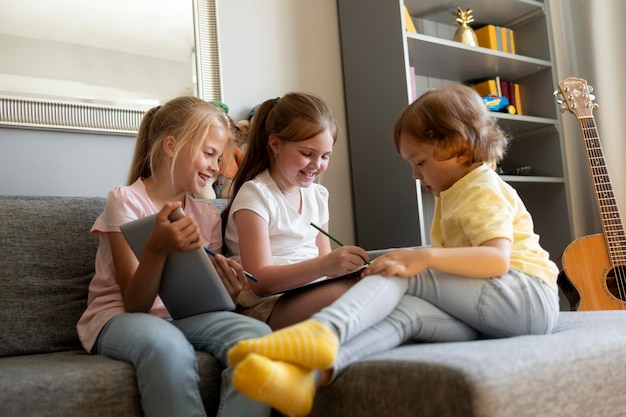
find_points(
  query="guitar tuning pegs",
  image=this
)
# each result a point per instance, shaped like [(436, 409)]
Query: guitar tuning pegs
[(592, 97), (556, 92), (595, 105), (563, 109), (559, 101), (589, 89)]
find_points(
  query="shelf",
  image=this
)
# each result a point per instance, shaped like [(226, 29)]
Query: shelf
[(452, 60), (521, 126), (376, 69), (496, 12), (533, 179)]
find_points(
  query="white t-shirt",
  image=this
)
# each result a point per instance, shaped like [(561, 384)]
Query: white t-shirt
[(292, 238)]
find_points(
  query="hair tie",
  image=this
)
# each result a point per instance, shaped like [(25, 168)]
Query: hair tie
[(276, 100)]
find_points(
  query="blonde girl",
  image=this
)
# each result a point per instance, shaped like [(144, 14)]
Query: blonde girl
[(177, 151)]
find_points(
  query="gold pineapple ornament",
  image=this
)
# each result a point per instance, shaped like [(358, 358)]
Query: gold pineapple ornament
[(465, 34)]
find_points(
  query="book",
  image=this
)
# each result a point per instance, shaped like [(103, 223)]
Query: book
[(486, 37), (488, 87), (413, 96), (505, 90), (505, 38), (511, 39), (518, 98), (408, 22), (511, 96), (498, 38)]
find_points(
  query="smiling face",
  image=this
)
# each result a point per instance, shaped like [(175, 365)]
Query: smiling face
[(435, 174), (195, 167), (298, 164)]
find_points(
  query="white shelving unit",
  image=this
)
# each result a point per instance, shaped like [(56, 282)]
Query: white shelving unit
[(377, 54)]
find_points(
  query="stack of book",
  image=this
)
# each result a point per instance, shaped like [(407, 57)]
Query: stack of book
[(501, 88), (498, 38)]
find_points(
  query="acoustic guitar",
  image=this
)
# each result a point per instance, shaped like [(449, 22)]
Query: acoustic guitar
[(595, 264)]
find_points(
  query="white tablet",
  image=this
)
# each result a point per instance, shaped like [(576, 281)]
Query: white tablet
[(190, 283)]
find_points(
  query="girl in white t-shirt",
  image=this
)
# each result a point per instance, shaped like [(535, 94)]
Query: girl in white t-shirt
[(177, 151), (275, 200)]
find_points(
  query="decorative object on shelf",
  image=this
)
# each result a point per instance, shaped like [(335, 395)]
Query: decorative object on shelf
[(524, 170), (498, 103), (408, 22), (494, 86), (465, 34), (519, 171)]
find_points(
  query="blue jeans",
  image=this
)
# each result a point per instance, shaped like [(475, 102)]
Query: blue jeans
[(378, 314), (163, 355)]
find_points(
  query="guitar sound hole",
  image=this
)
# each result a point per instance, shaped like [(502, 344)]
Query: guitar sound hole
[(616, 282)]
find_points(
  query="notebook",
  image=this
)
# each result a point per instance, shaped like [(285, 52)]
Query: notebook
[(190, 283), (319, 282)]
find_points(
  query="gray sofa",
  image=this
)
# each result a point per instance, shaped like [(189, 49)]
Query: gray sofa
[(46, 264)]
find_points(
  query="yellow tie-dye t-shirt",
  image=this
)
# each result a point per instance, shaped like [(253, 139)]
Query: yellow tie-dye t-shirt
[(481, 206)]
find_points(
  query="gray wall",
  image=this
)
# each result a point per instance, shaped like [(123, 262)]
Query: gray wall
[(588, 40), (62, 163)]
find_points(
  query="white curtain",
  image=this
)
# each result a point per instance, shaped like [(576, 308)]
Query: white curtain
[(589, 40)]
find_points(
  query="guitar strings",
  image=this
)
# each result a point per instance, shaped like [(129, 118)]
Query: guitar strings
[(615, 238)]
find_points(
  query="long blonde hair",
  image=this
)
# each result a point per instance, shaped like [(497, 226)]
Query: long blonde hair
[(186, 118)]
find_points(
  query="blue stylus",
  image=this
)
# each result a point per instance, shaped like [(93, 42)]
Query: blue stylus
[(249, 275)]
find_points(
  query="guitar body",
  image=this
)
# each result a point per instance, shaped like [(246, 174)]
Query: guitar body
[(586, 264)]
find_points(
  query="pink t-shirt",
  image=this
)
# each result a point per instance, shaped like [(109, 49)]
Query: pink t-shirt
[(124, 204)]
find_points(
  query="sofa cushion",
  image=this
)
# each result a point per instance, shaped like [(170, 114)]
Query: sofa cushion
[(74, 383), (47, 263), (576, 371)]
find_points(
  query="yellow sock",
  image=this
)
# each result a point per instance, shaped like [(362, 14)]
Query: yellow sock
[(288, 388), (309, 343)]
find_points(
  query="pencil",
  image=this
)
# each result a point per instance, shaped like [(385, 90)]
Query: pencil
[(249, 275), (332, 238)]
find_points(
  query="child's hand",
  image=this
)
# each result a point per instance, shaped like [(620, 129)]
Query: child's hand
[(343, 260), (231, 273), (402, 262), (174, 236)]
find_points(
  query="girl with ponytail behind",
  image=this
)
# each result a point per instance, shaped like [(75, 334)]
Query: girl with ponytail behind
[(275, 198), (177, 151)]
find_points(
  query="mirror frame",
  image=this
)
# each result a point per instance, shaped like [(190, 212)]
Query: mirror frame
[(33, 113)]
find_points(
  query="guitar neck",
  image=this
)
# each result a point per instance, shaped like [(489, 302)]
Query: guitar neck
[(610, 219)]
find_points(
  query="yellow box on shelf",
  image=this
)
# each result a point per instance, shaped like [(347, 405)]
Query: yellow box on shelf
[(408, 22)]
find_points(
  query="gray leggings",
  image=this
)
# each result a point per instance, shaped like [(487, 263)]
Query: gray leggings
[(378, 313)]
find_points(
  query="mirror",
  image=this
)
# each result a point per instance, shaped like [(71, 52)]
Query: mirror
[(97, 66)]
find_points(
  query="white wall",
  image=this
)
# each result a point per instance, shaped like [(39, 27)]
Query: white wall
[(272, 47), (268, 48)]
